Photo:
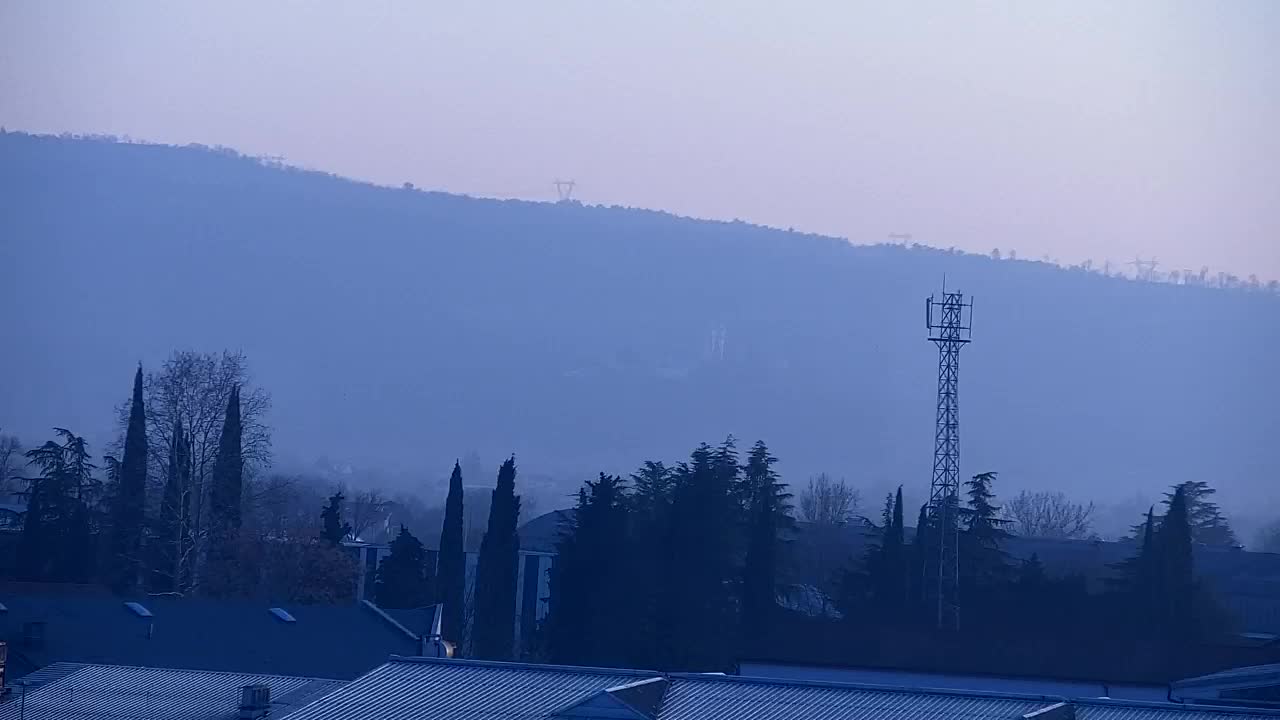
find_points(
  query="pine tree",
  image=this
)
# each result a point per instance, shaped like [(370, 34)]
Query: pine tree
[(128, 512), (170, 539), (333, 529), (402, 578), (495, 594), (228, 472), (57, 543), (452, 561), (982, 563), (768, 515), (591, 602), (1208, 526)]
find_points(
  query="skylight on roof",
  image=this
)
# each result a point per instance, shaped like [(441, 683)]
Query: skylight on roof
[(138, 609), (283, 615)]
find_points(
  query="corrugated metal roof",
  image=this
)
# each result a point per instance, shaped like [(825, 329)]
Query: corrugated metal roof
[(694, 697), (98, 692), (428, 689)]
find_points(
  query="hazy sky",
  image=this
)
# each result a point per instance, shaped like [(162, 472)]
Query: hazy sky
[(1080, 129)]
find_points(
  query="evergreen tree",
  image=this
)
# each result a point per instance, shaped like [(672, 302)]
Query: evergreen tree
[(170, 538), (982, 563), (57, 543), (495, 594), (591, 600), (1173, 565), (651, 496), (919, 559), (128, 511), (228, 471), (452, 561), (1208, 526), (333, 529), (402, 577), (695, 610), (768, 515)]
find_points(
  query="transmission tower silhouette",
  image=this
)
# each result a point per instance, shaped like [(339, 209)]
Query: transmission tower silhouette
[(950, 323), (564, 189)]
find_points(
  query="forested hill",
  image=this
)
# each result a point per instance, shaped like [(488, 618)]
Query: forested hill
[(401, 329)]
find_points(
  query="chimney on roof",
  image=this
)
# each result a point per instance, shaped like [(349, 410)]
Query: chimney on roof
[(1057, 711), (255, 701), (434, 644)]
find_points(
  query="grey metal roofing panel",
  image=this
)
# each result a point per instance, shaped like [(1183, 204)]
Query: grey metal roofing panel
[(425, 689), (1120, 710), (98, 692), (1260, 672), (709, 698)]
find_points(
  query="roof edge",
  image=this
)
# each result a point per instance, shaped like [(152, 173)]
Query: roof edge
[(390, 620)]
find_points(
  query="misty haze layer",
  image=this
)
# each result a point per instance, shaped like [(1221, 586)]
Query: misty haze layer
[(401, 329)]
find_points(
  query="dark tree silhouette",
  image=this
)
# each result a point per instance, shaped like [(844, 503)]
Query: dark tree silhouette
[(591, 585), (695, 613), (170, 535), (983, 565), (333, 530), (493, 631), (451, 563), (128, 511), (228, 472), (56, 543), (1208, 526), (402, 576), (768, 515)]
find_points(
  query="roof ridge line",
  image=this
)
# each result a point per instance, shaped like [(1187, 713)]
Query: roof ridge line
[(514, 665)]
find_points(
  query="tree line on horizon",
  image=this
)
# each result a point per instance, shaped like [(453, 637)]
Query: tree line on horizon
[(676, 567)]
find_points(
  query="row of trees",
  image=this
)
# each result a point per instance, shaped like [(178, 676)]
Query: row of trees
[(674, 569), (177, 512)]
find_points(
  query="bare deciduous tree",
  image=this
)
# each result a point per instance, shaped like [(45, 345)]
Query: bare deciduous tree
[(194, 387), (365, 510), (828, 502), (1269, 538), (1048, 515), (10, 454)]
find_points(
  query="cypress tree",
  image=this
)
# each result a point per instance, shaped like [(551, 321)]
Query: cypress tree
[(495, 594), (1173, 563), (452, 561), (333, 529), (128, 510), (920, 558), (228, 471), (170, 531), (402, 579), (768, 515)]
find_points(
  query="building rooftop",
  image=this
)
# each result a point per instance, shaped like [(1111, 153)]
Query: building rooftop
[(72, 691), (87, 625), (420, 688)]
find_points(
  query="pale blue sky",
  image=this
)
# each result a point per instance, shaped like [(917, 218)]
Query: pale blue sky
[(1081, 129)]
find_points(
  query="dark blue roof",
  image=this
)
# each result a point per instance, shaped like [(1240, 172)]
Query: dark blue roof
[(84, 625)]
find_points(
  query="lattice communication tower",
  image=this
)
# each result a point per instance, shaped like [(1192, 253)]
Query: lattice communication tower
[(950, 323)]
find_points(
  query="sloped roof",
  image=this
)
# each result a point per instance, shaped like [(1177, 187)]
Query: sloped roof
[(91, 692), (420, 688), (426, 689), (89, 626)]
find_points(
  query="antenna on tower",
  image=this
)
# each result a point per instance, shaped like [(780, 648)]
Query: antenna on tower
[(950, 324), (564, 189)]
